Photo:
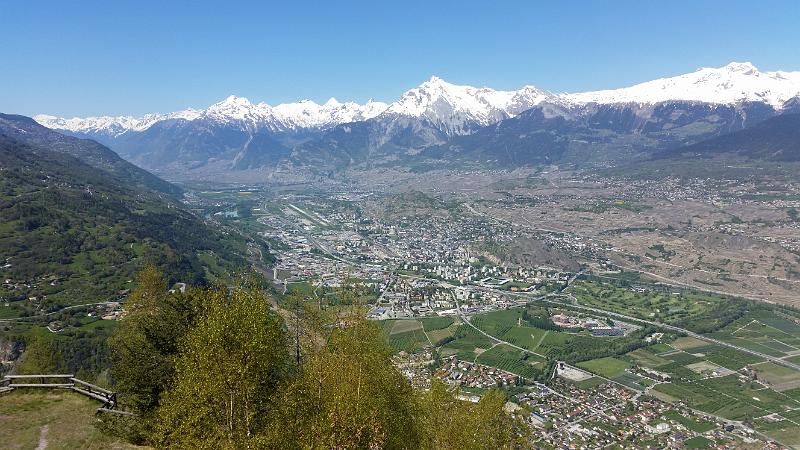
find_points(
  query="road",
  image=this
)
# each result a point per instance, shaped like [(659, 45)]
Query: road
[(702, 337), (549, 298), (56, 312), (465, 318)]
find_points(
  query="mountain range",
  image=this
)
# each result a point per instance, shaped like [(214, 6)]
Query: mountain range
[(440, 122), (79, 222)]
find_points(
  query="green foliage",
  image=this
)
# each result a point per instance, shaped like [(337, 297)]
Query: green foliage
[(77, 234), (513, 360), (582, 348), (349, 395), (147, 340), (453, 425), (213, 369), (40, 357), (226, 376)]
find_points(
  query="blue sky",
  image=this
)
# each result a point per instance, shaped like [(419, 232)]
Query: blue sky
[(124, 57)]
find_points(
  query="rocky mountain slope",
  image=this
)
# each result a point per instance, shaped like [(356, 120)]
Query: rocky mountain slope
[(439, 121)]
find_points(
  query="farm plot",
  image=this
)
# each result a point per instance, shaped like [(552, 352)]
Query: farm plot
[(467, 344), (403, 326), (614, 369), (779, 378), (730, 397), (437, 323), (645, 358), (497, 323), (526, 337), (607, 367), (409, 341), (441, 336), (698, 426), (765, 332), (687, 343), (732, 359), (511, 360), (404, 335)]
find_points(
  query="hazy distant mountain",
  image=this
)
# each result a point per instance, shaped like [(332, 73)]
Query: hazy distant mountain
[(27, 131), (598, 134), (775, 139), (237, 111), (440, 120)]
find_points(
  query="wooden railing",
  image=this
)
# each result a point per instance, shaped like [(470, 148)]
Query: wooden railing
[(63, 381)]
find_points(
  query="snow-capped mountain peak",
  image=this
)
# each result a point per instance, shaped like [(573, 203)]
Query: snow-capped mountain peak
[(233, 110), (456, 108), (237, 108), (459, 109), (332, 102), (733, 83), (112, 126)]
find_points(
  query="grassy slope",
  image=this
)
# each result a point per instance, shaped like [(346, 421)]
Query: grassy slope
[(69, 419)]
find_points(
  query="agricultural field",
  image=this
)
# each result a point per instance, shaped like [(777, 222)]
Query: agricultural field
[(437, 323), (440, 329), (777, 377), (688, 343), (403, 326), (511, 360), (734, 399), (764, 331), (607, 367), (404, 335), (616, 370), (590, 383), (467, 344), (510, 326), (699, 426), (646, 358), (698, 442), (527, 337), (497, 323)]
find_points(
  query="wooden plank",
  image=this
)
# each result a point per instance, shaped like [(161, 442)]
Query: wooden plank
[(114, 411), (92, 395), (3, 390), (39, 376), (91, 386), (41, 385)]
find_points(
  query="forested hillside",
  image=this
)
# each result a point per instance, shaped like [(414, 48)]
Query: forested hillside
[(72, 233)]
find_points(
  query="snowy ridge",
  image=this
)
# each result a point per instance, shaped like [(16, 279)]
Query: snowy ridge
[(233, 110), (452, 107), (112, 126), (731, 84), (457, 109)]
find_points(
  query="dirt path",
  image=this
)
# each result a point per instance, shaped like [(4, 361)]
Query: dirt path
[(43, 438)]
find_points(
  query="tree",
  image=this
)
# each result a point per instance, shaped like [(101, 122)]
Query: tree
[(40, 357), (228, 370), (147, 340), (455, 424), (218, 369), (349, 395)]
